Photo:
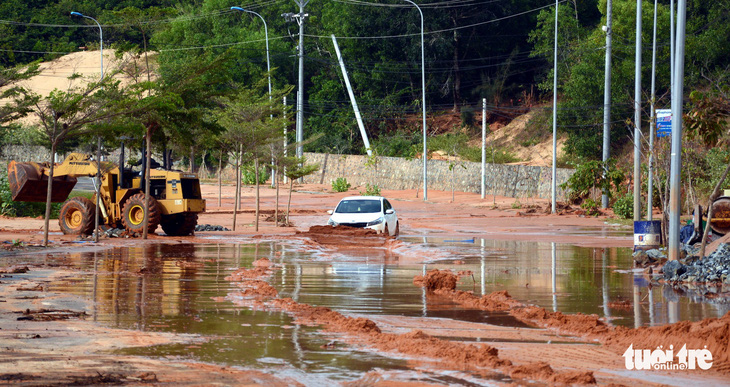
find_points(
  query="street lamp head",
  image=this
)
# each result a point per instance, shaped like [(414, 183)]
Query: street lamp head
[(238, 9), (77, 14)]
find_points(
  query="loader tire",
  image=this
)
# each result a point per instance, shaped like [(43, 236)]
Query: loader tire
[(133, 214), (77, 216), (179, 224)]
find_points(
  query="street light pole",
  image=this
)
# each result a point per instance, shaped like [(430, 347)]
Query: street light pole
[(98, 147), (266, 32), (423, 105), (637, 117), (299, 18), (101, 40), (268, 72)]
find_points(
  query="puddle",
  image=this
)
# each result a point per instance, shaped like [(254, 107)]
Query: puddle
[(573, 279), (171, 288)]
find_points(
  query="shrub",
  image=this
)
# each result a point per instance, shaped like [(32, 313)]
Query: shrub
[(590, 175), (371, 190), (624, 206), (340, 185), (249, 178), (591, 207)]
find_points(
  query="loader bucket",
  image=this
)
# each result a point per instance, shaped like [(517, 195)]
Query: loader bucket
[(27, 185), (720, 222)]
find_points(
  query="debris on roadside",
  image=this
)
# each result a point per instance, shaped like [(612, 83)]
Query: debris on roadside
[(714, 268), (49, 314), (208, 227), (15, 270)]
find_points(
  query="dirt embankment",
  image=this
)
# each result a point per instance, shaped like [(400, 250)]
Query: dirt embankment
[(711, 333), (343, 236), (359, 330)]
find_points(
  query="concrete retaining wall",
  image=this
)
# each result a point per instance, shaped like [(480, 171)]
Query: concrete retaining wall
[(517, 181), (398, 173)]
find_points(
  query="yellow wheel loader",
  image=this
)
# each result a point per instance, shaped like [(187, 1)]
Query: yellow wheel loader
[(175, 199)]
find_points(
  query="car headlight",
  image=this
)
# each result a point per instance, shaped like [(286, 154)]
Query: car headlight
[(376, 221), (332, 223)]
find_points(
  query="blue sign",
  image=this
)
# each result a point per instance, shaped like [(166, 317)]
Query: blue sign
[(663, 122)]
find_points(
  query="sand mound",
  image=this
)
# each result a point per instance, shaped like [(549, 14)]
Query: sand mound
[(712, 333), (436, 280)]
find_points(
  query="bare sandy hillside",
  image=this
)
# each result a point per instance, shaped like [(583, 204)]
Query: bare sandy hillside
[(515, 136), (74, 70)]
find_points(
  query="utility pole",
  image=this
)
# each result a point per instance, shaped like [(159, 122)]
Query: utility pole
[(355, 109), (676, 156), (637, 118), (652, 123), (553, 185), (299, 18), (607, 96)]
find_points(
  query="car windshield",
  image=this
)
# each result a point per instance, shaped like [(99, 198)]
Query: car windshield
[(358, 206)]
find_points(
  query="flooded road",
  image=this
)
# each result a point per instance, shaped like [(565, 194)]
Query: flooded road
[(179, 288)]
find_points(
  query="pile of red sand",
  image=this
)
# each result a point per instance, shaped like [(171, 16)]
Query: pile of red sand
[(458, 355), (713, 333), (437, 280), (348, 237), (340, 230), (543, 371)]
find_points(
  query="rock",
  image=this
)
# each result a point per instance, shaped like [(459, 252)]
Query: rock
[(673, 269), (656, 254)]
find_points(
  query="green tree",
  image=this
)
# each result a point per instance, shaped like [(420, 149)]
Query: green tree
[(71, 113), (254, 122)]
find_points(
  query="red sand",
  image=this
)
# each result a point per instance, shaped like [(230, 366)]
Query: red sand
[(458, 355), (713, 333)]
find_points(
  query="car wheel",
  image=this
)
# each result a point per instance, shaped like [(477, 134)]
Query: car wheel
[(385, 230), (397, 229)]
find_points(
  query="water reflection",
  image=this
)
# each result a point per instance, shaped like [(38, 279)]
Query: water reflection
[(180, 288), (576, 279)]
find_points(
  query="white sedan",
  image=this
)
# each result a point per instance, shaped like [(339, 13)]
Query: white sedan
[(373, 212)]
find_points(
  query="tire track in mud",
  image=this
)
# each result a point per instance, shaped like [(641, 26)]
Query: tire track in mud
[(256, 293)]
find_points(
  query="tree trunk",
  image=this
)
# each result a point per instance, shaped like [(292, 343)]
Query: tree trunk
[(192, 159), (203, 167), (148, 147), (49, 192), (238, 187), (256, 180), (220, 169), (288, 203), (276, 208)]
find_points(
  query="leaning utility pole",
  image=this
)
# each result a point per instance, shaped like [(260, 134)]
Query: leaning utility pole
[(299, 17), (637, 118), (607, 97)]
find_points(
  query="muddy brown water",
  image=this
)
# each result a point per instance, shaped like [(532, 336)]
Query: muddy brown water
[(172, 288)]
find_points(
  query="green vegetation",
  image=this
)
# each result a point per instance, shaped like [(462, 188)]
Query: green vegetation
[(371, 190), (340, 184), (591, 176), (208, 93), (624, 206), (248, 176)]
